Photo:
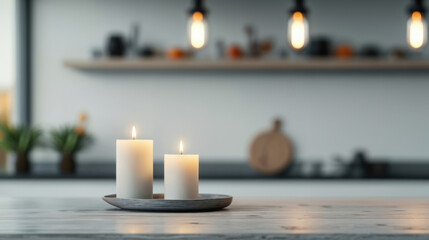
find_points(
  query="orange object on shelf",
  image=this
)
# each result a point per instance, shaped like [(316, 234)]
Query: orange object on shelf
[(235, 52), (266, 46), (344, 51), (176, 53)]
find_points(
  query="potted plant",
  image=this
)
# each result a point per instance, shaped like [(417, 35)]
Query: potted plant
[(20, 140), (69, 140)]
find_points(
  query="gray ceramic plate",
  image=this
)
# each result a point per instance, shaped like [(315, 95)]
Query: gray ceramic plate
[(205, 202)]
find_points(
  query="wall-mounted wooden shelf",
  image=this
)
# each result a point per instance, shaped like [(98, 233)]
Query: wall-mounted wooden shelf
[(248, 64)]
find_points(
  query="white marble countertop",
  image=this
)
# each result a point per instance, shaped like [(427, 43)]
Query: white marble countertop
[(260, 210)]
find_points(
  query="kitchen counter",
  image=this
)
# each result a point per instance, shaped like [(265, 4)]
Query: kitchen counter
[(96, 188), (405, 169), (261, 209), (246, 218)]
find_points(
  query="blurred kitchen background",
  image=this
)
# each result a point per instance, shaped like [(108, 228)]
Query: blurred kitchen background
[(348, 99)]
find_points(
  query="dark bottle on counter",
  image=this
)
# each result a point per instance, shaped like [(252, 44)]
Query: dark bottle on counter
[(115, 46)]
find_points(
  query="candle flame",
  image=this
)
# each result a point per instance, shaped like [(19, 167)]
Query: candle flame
[(134, 134), (181, 147)]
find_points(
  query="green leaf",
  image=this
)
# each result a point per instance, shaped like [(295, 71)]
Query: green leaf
[(67, 140), (20, 139)]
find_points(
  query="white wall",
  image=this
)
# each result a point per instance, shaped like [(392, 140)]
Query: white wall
[(7, 44), (217, 114)]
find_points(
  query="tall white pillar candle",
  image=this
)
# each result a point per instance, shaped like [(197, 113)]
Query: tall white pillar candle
[(134, 168), (181, 176)]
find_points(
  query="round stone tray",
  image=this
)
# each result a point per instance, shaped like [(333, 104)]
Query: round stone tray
[(205, 202)]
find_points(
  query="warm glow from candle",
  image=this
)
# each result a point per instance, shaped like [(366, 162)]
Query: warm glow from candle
[(181, 147), (416, 30), (134, 134), (197, 30)]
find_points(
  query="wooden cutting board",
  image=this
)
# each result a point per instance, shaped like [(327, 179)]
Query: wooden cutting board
[(271, 151)]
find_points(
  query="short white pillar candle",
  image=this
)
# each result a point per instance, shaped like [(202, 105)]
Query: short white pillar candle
[(181, 176), (134, 168)]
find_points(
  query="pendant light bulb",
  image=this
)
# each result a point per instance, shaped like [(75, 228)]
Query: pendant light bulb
[(416, 26), (298, 28), (197, 26)]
